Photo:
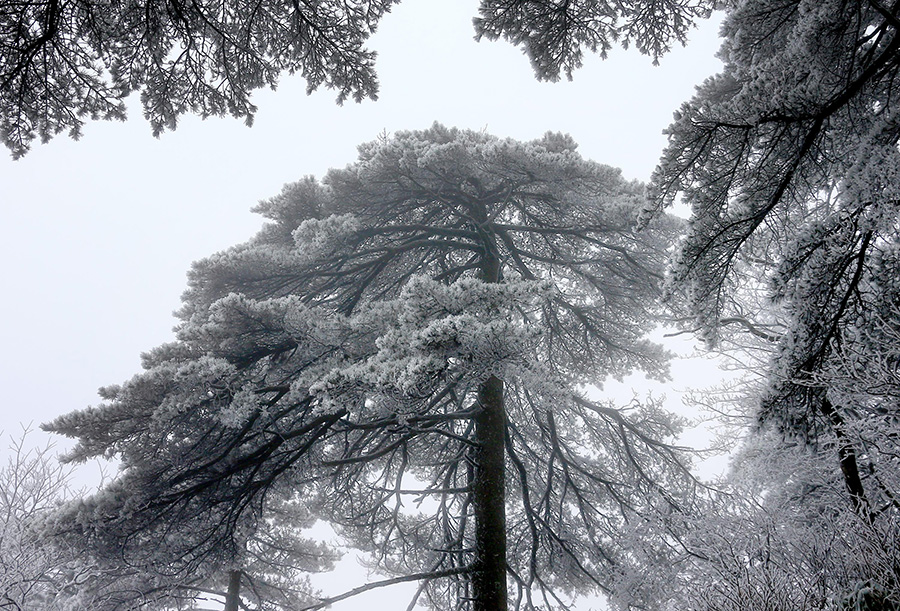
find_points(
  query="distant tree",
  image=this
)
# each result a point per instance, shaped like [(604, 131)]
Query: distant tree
[(789, 161), (144, 569), (38, 571), (32, 483), (405, 348), (62, 62), (776, 534)]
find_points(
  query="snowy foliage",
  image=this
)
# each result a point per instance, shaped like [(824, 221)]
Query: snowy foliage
[(788, 160), (778, 533), (554, 34), (33, 573), (61, 63), (344, 358)]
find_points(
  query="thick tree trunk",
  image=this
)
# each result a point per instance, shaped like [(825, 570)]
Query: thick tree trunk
[(233, 597), (489, 488), (489, 500)]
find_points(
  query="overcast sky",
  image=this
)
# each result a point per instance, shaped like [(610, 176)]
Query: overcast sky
[(97, 234)]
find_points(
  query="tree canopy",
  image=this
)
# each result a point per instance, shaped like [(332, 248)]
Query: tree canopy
[(404, 351), (32, 574), (789, 161), (62, 62), (777, 533)]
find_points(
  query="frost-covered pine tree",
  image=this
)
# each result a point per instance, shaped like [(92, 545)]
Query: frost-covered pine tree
[(789, 160), (775, 533), (405, 350)]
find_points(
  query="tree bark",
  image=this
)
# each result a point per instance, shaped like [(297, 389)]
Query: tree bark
[(489, 500), (849, 466), (489, 592), (233, 597)]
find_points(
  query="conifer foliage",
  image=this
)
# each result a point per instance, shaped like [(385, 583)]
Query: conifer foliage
[(65, 61), (789, 161), (403, 352), (62, 62)]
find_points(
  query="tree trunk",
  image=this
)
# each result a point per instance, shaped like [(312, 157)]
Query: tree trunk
[(233, 597), (849, 466), (489, 500), (489, 488)]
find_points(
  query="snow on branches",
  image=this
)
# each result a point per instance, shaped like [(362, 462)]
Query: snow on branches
[(789, 161), (422, 323)]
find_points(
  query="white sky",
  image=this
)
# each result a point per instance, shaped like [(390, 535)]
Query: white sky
[(97, 234)]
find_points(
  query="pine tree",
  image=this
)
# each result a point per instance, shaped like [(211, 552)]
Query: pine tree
[(405, 350), (789, 159)]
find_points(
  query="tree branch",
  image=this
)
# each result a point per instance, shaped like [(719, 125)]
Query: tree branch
[(384, 583)]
